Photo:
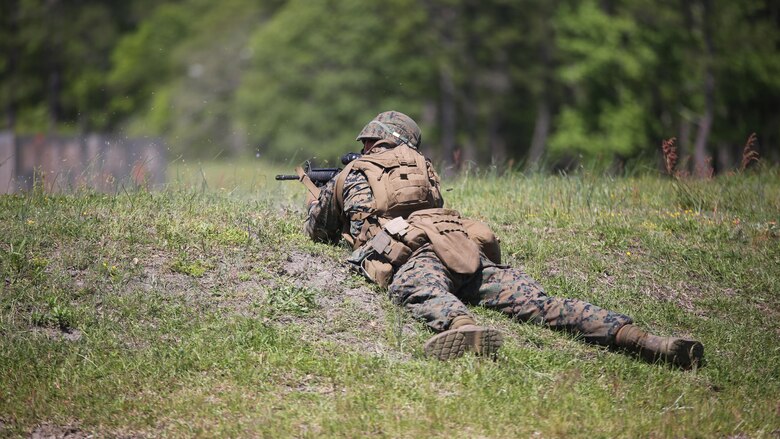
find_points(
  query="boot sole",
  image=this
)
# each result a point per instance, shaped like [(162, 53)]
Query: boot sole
[(688, 353), (454, 343)]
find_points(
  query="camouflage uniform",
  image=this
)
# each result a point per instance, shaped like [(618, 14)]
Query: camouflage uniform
[(434, 294)]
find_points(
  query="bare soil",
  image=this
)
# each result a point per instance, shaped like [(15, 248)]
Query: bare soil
[(349, 312), (50, 431)]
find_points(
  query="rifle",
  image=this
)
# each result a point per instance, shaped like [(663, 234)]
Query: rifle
[(319, 176)]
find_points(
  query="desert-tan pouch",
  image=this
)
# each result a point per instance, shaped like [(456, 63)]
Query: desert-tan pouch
[(394, 251), (379, 271), (486, 240), (402, 230), (366, 260), (448, 238)]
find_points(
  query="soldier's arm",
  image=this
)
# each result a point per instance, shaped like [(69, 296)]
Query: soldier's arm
[(358, 201), (324, 221), (433, 177)]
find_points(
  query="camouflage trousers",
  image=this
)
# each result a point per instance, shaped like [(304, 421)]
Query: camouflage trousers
[(426, 288)]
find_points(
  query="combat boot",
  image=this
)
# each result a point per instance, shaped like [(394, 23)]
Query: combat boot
[(463, 336), (682, 352)]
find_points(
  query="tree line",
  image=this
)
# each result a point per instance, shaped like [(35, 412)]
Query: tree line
[(533, 83)]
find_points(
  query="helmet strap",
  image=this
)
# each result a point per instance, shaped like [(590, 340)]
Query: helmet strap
[(401, 139)]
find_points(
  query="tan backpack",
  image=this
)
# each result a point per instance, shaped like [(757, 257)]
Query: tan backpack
[(405, 186), (402, 181)]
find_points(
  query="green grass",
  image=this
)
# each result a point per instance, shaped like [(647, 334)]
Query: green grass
[(201, 310)]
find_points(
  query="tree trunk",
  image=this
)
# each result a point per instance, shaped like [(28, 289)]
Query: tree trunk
[(700, 158), (467, 150), (55, 87), (13, 58), (543, 110), (448, 119), (10, 104), (10, 115), (54, 49), (430, 118), (725, 157), (497, 142), (541, 131), (702, 167), (683, 146)]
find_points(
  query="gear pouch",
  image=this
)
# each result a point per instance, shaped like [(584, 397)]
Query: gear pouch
[(366, 260), (448, 238)]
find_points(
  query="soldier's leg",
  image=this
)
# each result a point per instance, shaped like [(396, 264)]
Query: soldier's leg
[(424, 286), (513, 292), (517, 294)]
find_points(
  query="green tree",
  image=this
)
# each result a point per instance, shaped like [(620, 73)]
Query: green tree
[(314, 82), (178, 74), (606, 64), (143, 62), (56, 61), (491, 81), (640, 71), (746, 74)]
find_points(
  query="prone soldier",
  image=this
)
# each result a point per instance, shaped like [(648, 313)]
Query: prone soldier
[(388, 205)]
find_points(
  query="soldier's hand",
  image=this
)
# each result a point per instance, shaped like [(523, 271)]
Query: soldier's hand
[(310, 200)]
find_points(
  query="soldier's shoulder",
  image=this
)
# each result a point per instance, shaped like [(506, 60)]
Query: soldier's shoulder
[(355, 175)]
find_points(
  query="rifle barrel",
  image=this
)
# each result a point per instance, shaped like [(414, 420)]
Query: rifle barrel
[(287, 177)]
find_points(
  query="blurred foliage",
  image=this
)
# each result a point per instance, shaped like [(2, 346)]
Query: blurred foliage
[(315, 95), (488, 81)]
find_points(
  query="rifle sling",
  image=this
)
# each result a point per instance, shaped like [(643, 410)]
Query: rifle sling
[(313, 189)]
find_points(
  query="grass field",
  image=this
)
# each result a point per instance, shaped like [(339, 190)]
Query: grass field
[(201, 310)]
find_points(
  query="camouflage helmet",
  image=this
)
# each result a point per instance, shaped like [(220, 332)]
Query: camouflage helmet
[(393, 127)]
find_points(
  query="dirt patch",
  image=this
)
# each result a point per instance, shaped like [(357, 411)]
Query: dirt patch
[(681, 295), (348, 314), (314, 271), (49, 431), (52, 431), (68, 334), (310, 384), (771, 311), (219, 288), (348, 311)]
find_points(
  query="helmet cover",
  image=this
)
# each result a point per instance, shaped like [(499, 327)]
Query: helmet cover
[(394, 127)]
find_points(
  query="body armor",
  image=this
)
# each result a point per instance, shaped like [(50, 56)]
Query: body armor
[(402, 181), (406, 214)]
